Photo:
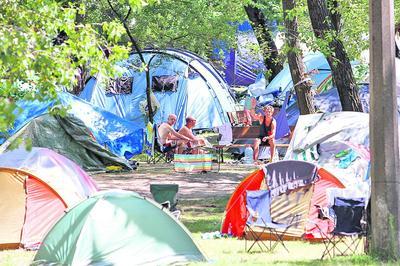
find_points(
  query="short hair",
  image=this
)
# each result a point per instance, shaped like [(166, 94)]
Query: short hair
[(190, 118), (270, 107), (171, 115)]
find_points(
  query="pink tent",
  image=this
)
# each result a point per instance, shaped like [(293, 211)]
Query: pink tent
[(36, 188)]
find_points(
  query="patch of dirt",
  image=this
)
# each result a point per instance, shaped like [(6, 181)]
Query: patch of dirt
[(191, 185)]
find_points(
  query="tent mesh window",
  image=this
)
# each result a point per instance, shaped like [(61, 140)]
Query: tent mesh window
[(165, 83), (121, 85)]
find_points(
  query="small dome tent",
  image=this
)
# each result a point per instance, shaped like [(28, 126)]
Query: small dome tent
[(115, 228), (36, 188), (183, 84)]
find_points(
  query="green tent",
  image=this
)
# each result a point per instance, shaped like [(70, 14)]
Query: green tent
[(69, 137), (117, 228)]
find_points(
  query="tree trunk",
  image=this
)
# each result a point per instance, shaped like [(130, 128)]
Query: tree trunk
[(296, 65), (264, 37), (338, 60), (135, 47)]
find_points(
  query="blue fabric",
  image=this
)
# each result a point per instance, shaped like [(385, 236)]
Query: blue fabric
[(121, 137), (258, 202), (346, 160), (209, 104), (282, 126)]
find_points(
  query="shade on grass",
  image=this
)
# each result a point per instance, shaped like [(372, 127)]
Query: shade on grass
[(116, 228)]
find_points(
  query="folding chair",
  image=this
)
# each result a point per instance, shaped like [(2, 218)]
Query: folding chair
[(350, 226), (166, 196), (160, 153), (258, 204)]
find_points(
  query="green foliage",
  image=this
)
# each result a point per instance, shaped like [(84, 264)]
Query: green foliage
[(41, 46)]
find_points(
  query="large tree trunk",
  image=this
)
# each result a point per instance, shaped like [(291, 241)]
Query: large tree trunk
[(338, 60), (264, 37), (296, 65)]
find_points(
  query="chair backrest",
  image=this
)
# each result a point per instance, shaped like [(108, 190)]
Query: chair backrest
[(258, 204), (165, 192), (349, 214)]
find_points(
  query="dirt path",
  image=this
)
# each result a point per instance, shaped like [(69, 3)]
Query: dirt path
[(191, 186)]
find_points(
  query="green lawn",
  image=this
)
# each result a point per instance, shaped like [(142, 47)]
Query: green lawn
[(202, 216)]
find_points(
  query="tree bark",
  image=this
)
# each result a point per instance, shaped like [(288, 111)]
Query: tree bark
[(338, 59), (297, 69), (264, 37)]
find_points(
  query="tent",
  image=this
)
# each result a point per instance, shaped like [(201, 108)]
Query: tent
[(91, 137), (183, 84), (322, 138), (296, 187), (315, 63), (116, 228), (241, 66), (36, 188)]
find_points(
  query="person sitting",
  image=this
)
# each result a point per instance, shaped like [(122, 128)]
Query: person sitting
[(169, 138), (195, 141), (267, 132)]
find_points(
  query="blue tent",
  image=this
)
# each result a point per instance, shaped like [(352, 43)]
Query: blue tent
[(315, 63), (328, 102), (121, 137), (190, 87)]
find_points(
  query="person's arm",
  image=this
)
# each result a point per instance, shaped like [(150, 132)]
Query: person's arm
[(177, 135), (187, 133)]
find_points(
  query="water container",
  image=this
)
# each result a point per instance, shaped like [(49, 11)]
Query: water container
[(248, 155)]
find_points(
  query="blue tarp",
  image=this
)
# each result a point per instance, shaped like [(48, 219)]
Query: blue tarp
[(241, 65), (121, 137), (201, 91)]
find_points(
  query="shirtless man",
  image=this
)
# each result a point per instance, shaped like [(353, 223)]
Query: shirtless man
[(186, 131), (169, 137), (267, 132)]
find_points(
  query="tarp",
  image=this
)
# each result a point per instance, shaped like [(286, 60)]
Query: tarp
[(338, 142), (69, 137), (121, 137), (242, 65), (36, 188), (116, 228), (201, 92)]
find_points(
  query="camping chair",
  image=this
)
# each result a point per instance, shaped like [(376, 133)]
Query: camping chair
[(350, 226), (258, 204), (161, 153), (166, 196)]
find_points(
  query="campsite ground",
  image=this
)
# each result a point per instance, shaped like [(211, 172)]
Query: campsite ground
[(202, 201)]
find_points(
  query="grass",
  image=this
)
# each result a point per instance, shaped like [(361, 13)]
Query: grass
[(201, 216)]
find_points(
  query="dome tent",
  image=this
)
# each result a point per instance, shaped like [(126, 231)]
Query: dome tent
[(198, 90), (115, 227), (36, 188)]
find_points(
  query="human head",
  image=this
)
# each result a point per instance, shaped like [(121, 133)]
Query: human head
[(268, 110), (171, 119), (190, 121)]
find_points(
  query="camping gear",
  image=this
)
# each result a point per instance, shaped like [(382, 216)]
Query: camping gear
[(199, 90), (115, 228), (165, 193), (303, 187), (258, 205), (36, 188), (91, 137), (350, 226)]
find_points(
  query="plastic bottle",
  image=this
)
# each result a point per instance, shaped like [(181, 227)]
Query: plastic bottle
[(248, 155)]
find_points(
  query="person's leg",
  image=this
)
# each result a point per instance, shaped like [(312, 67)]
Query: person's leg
[(272, 148), (256, 147)]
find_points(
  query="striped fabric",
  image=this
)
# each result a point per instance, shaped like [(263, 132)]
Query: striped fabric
[(192, 162)]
